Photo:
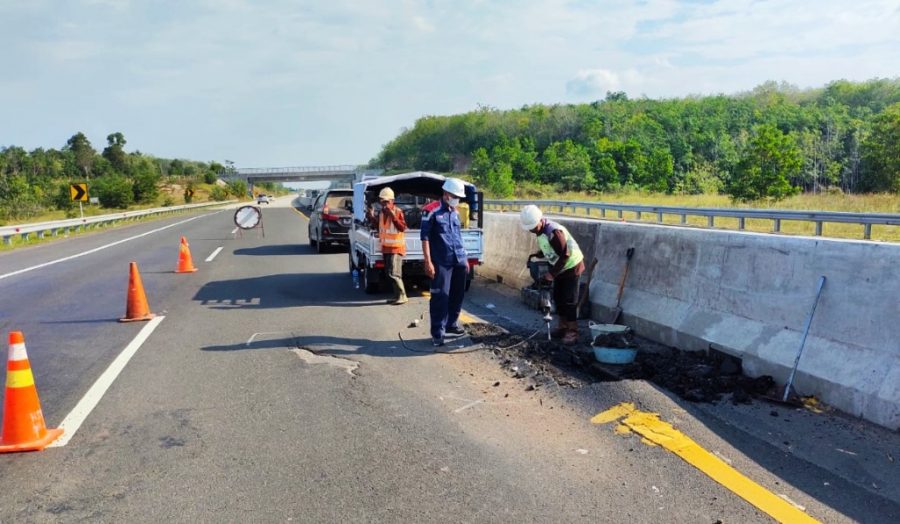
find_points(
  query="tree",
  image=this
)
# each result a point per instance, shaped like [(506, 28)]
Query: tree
[(145, 177), (114, 191), (881, 152), (115, 152), (83, 153), (569, 165), (766, 166)]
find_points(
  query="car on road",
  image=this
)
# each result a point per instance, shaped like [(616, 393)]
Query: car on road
[(263, 199), (330, 219)]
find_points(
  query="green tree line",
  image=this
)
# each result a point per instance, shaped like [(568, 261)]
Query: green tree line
[(33, 182), (769, 143)]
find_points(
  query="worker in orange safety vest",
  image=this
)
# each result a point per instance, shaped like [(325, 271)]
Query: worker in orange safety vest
[(391, 225)]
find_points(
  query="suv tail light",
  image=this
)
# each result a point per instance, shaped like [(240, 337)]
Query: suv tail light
[(328, 216)]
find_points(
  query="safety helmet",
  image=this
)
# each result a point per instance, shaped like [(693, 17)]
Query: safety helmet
[(530, 217), (386, 194), (455, 187)]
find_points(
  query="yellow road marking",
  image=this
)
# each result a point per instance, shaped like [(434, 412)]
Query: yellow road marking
[(300, 212), (466, 318), (657, 432)]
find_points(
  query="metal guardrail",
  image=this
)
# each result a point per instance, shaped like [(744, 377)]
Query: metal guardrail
[(40, 229), (776, 216)]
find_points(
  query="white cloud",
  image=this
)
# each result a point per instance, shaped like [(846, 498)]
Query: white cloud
[(593, 82)]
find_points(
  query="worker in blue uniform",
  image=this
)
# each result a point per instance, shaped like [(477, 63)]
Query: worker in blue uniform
[(446, 262)]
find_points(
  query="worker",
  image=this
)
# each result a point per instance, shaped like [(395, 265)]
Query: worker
[(391, 225), (446, 262), (560, 249)]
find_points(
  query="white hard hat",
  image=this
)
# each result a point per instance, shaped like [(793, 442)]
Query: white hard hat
[(530, 217), (455, 187), (386, 194)]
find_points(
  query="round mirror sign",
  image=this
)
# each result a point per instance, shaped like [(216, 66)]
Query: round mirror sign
[(247, 217)]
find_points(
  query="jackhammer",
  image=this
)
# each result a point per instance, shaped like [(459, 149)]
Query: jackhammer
[(538, 268)]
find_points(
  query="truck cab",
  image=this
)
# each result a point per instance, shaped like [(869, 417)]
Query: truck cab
[(413, 192)]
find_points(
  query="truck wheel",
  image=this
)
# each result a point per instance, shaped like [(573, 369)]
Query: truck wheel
[(366, 281), (350, 261)]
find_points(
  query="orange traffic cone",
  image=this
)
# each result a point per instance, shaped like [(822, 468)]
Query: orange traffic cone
[(136, 307), (23, 421), (185, 262)]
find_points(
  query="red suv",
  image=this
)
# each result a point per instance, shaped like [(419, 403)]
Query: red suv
[(330, 219)]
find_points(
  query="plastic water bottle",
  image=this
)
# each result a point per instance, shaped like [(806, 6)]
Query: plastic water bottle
[(356, 278)]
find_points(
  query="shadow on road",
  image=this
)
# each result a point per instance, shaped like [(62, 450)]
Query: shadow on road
[(276, 250)]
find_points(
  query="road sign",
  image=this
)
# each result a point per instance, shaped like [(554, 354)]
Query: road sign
[(78, 192), (249, 217), (190, 193)]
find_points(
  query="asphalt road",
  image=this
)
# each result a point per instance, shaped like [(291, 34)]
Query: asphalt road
[(274, 391)]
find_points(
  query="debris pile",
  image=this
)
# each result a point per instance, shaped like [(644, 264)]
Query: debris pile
[(693, 376), (696, 376)]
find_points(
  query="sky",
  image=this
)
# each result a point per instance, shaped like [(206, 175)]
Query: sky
[(308, 83)]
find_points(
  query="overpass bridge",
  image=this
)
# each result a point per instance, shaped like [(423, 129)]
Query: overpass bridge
[(335, 174)]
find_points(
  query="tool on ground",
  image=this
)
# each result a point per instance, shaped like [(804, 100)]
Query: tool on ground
[(587, 287), (185, 262), (23, 420), (136, 306), (538, 268), (787, 387), (617, 311)]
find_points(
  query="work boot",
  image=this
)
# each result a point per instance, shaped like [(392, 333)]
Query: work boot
[(401, 300), (559, 331), (570, 338)]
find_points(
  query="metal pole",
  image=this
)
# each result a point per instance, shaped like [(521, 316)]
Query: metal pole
[(81, 208), (812, 312)]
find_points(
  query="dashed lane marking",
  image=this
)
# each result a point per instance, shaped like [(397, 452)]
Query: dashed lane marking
[(233, 231), (656, 432), (100, 248), (214, 253), (89, 401)]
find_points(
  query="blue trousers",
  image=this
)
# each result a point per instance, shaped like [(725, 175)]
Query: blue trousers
[(447, 289)]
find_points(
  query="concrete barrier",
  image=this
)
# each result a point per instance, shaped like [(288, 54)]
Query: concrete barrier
[(748, 295)]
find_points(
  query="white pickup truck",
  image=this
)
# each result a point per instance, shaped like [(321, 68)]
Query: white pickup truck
[(413, 192)]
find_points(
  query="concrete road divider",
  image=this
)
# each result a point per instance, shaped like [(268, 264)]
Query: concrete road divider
[(748, 295)]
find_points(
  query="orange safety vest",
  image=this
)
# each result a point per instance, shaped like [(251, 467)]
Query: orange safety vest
[(392, 241)]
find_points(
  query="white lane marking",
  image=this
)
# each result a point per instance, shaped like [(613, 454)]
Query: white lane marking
[(233, 231), (89, 401), (214, 253), (91, 251), (469, 405)]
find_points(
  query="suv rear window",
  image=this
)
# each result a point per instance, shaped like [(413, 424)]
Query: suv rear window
[(338, 202)]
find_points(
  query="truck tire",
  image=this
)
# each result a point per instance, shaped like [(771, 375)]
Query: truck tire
[(369, 285)]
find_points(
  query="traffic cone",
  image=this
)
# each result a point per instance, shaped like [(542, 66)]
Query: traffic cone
[(136, 307), (23, 421), (185, 262)]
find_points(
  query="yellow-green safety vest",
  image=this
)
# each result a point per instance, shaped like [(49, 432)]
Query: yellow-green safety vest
[(543, 240)]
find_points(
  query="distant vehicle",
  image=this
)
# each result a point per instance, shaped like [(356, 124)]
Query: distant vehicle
[(414, 191), (263, 199), (330, 218)]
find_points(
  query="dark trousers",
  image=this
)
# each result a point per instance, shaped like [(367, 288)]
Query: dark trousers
[(565, 296), (447, 289)]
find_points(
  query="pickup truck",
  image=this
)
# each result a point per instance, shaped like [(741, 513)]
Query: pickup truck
[(412, 191)]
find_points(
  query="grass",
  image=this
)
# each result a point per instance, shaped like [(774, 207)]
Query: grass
[(872, 203)]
